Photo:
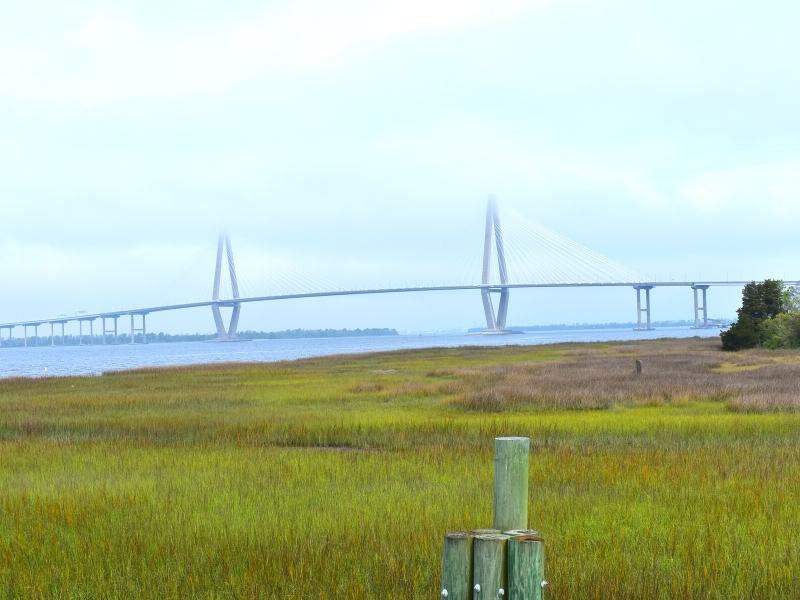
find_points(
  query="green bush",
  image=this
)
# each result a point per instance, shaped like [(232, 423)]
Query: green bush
[(745, 333), (781, 331), (761, 304)]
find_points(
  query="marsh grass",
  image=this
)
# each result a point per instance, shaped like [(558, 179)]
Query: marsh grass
[(337, 477), (606, 379)]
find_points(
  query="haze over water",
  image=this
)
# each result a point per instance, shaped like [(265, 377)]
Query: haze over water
[(44, 361)]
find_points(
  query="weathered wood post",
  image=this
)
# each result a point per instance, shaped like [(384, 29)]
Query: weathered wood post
[(489, 567), (486, 564), (526, 568), (511, 483), (457, 566)]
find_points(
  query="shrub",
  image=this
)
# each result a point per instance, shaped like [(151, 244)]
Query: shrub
[(781, 331), (761, 302), (745, 333)]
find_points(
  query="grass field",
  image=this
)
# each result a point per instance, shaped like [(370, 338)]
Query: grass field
[(337, 477)]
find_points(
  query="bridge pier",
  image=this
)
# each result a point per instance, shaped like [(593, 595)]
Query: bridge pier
[(80, 331), (106, 331), (647, 326), (142, 329), (700, 308), (35, 339), (52, 332)]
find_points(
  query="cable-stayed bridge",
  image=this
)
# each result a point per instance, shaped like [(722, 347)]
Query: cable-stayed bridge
[(545, 260)]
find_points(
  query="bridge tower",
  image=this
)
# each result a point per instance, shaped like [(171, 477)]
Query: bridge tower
[(493, 240), (223, 334)]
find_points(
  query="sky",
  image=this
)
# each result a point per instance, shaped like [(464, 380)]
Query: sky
[(355, 143)]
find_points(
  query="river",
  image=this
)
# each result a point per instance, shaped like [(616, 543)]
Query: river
[(44, 361)]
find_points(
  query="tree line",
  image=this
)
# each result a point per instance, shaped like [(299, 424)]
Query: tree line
[(768, 318)]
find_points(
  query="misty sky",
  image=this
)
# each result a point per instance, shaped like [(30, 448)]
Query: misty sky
[(355, 142)]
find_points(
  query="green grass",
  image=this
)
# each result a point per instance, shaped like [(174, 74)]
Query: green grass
[(337, 478)]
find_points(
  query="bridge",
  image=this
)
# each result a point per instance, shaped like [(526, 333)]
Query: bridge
[(495, 284)]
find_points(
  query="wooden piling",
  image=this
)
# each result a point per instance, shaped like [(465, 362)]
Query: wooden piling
[(526, 568), (511, 483), (489, 572), (457, 566)]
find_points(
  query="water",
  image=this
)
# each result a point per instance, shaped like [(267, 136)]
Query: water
[(93, 360)]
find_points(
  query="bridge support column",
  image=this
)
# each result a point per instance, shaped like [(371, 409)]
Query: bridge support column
[(700, 308), (496, 322), (91, 331), (25, 335), (63, 337), (142, 329), (52, 336), (647, 325), (113, 331)]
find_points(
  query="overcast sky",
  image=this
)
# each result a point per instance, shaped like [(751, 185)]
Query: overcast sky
[(356, 142)]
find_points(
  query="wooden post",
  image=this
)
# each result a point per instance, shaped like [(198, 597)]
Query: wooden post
[(489, 567), (457, 566), (511, 483), (526, 568)]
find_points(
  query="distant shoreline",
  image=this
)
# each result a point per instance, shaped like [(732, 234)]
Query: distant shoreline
[(297, 334), (167, 338), (606, 326)]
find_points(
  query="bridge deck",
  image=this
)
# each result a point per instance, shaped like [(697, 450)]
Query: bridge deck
[(364, 292)]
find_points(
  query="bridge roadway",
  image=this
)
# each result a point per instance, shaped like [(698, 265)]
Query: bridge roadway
[(445, 288)]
